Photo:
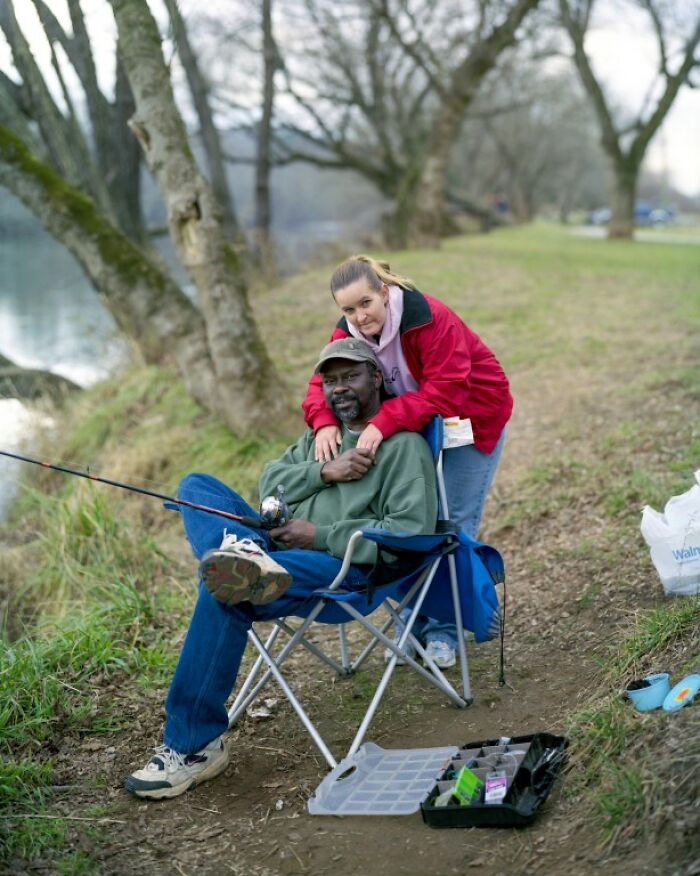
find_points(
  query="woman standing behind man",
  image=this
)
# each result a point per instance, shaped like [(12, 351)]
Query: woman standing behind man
[(433, 363)]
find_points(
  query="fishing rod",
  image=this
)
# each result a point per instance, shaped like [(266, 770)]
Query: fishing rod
[(274, 511)]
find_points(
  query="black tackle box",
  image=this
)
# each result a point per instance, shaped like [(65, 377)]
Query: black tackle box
[(531, 764)]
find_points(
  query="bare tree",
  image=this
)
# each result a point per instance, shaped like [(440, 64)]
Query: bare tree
[(103, 162), (626, 143), (43, 161), (246, 378), (145, 302), (530, 139), (391, 83)]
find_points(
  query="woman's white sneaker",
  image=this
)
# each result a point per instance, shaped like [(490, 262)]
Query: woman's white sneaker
[(169, 773), (442, 654)]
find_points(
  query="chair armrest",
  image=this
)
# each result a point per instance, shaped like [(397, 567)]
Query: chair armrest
[(347, 560)]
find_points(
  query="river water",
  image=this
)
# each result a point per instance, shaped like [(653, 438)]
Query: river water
[(50, 317)]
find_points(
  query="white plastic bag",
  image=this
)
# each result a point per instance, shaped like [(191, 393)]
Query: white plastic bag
[(674, 539)]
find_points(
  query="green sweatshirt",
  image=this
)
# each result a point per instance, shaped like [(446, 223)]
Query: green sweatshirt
[(398, 493)]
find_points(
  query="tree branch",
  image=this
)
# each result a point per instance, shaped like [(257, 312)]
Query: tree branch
[(416, 50), (575, 26)]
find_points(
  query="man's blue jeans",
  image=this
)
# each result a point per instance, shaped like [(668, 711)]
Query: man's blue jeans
[(468, 475), (211, 654)]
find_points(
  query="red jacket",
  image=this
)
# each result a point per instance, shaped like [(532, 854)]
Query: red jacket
[(455, 371)]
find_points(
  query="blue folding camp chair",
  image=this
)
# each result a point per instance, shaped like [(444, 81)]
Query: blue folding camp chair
[(446, 575)]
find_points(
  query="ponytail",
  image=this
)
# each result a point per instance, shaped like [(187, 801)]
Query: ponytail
[(374, 271)]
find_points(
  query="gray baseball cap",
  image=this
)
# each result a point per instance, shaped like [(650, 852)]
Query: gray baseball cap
[(347, 348)]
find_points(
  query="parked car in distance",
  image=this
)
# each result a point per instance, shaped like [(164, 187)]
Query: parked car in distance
[(601, 216), (662, 216), (644, 214)]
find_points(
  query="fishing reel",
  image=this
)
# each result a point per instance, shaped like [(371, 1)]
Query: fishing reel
[(274, 511)]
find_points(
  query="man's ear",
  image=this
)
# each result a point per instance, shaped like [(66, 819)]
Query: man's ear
[(378, 378)]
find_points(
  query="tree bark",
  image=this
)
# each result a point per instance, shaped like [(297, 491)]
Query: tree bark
[(145, 303), (263, 213), (211, 141), (249, 387), (116, 154), (68, 155), (124, 175), (623, 195)]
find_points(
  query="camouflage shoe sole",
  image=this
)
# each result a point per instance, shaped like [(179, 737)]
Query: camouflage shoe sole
[(231, 577)]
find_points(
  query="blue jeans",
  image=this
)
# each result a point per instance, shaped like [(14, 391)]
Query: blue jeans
[(468, 474), (211, 654)]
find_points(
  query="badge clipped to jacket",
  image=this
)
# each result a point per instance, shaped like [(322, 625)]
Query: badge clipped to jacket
[(457, 432)]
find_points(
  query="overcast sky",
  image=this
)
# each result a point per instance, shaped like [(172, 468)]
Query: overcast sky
[(623, 51)]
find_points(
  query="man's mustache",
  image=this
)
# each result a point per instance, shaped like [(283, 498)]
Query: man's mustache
[(343, 399)]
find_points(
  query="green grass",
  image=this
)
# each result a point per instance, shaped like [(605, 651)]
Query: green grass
[(622, 756), (50, 687)]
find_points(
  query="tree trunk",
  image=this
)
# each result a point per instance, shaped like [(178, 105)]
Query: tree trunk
[(124, 174), (430, 219), (117, 156), (248, 385), (67, 147), (398, 223), (145, 303), (263, 240), (520, 202), (622, 198), (626, 164), (211, 141)]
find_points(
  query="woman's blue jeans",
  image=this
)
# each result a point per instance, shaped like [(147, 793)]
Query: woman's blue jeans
[(468, 474), (211, 654)]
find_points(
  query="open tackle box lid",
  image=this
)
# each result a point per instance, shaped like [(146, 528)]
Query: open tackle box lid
[(377, 781)]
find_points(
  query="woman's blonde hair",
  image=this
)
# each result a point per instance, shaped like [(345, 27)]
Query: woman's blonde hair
[(374, 271)]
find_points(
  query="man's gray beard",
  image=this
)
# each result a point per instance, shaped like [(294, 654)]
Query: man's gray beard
[(353, 413), (349, 414)]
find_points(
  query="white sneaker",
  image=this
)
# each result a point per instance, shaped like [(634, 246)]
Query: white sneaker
[(239, 570), (169, 773), (442, 655)]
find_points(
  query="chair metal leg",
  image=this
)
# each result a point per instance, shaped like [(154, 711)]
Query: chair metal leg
[(291, 696), (461, 644), (234, 711), (342, 635), (393, 617), (243, 703), (313, 649), (461, 647), (440, 683)]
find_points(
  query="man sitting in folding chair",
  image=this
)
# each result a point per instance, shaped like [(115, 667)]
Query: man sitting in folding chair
[(254, 575)]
